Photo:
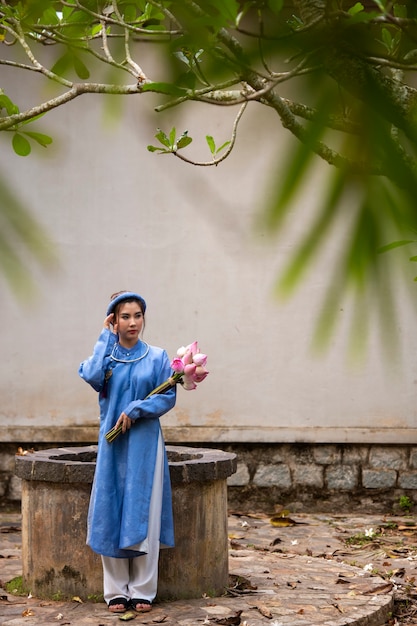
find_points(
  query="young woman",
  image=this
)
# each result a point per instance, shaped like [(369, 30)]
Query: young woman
[(130, 514)]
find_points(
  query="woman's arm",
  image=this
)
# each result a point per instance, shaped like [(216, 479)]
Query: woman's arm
[(93, 369), (157, 404)]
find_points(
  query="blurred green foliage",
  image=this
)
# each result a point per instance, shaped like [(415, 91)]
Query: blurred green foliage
[(340, 74)]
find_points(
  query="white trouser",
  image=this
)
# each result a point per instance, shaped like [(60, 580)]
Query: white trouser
[(138, 577)]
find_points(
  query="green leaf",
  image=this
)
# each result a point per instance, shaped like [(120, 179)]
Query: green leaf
[(364, 17), (62, 65), (211, 144), (96, 29), (224, 145), (387, 38), (40, 138), (400, 10), (413, 258), (81, 69), (21, 235), (295, 168), (172, 135), (183, 141), (21, 145), (160, 150), (411, 57), (129, 13), (179, 54), (50, 16), (394, 244), (230, 9), (357, 8), (301, 259), (161, 136), (6, 103)]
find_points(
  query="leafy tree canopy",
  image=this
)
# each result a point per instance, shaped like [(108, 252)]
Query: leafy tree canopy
[(352, 64)]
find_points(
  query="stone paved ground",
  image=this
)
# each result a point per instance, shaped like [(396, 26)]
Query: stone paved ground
[(322, 570)]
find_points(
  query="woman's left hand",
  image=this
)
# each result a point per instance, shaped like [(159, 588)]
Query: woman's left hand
[(125, 422)]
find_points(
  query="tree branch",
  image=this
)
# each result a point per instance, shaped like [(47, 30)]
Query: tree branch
[(76, 90), (229, 148)]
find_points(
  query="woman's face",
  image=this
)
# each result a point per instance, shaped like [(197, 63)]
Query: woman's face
[(128, 323)]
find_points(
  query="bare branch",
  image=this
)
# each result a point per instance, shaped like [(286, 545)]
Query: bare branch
[(138, 72), (76, 90), (37, 66)]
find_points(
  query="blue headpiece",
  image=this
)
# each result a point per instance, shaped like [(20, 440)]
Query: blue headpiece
[(126, 295)]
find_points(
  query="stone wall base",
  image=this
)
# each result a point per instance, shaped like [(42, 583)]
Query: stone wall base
[(300, 477)]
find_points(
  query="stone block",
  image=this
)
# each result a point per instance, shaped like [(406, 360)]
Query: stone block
[(355, 455), (379, 479), (413, 457), (14, 492), (6, 462), (309, 476), (327, 455), (388, 457), (272, 476), (241, 476), (407, 480), (342, 477)]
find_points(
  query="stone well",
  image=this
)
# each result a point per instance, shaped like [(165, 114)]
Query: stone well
[(56, 486)]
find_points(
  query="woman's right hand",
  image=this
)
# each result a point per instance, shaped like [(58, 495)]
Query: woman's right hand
[(108, 323)]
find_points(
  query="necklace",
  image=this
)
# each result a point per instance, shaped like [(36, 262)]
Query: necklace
[(114, 358)]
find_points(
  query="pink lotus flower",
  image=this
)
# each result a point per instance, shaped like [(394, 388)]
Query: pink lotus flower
[(177, 365), (189, 366), (188, 383), (199, 374), (191, 362), (200, 358), (188, 369)]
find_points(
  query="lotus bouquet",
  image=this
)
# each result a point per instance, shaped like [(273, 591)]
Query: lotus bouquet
[(188, 369)]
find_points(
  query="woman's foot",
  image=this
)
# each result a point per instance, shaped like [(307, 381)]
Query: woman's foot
[(140, 605), (118, 605)]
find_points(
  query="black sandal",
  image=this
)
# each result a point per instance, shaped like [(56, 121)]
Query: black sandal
[(135, 601), (122, 601)]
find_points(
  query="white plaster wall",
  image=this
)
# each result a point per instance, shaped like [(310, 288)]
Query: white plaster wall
[(184, 237)]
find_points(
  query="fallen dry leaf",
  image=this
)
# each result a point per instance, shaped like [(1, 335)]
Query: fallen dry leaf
[(127, 616), (263, 610), (342, 580), (233, 620), (28, 613), (282, 522), (378, 589), (22, 452)]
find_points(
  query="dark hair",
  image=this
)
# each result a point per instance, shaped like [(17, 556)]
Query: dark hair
[(128, 299)]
